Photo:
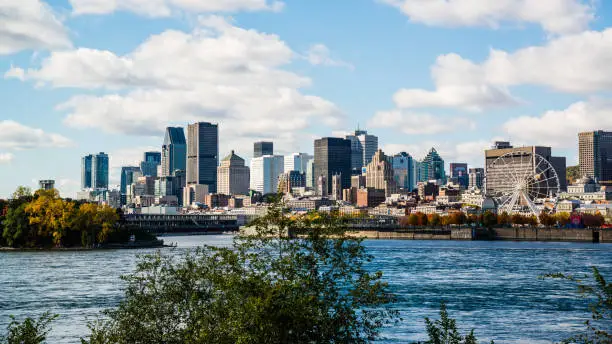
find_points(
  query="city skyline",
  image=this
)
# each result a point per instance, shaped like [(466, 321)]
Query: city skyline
[(405, 78)]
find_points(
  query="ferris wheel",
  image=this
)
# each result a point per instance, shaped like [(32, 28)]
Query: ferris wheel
[(522, 183)]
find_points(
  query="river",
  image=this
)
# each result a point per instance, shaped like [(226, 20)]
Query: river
[(490, 286)]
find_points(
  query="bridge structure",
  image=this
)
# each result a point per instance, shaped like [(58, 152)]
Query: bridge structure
[(183, 223)]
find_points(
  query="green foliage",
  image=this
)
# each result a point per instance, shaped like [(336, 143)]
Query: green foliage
[(444, 330), (30, 331), (600, 293), (290, 280)]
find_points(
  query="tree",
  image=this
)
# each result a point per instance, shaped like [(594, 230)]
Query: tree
[(290, 280), (413, 220), (600, 293), (593, 221), (488, 219), (30, 331), (503, 219), (16, 232), (433, 220), (422, 219), (444, 330), (547, 219), (563, 219)]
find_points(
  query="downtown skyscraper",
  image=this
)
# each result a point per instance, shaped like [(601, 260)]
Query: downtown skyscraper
[(203, 154), (174, 151), (94, 171), (332, 156), (595, 155), (363, 148), (148, 166)]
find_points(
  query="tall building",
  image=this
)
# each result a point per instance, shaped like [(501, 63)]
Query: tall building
[(520, 159), (174, 151), (47, 184), (264, 173), (476, 178), (86, 162), (336, 189), (127, 178), (99, 171), (595, 155), (203, 154), (432, 167), (310, 176), (459, 172), (379, 174), (149, 164), (332, 157), (367, 145), (356, 155), (403, 171), (233, 177), (297, 162), (263, 148)]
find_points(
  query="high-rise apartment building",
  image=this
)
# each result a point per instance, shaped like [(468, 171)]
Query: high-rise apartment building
[(264, 173), (310, 176), (459, 173), (364, 144), (403, 171), (263, 148), (380, 174), (233, 177), (86, 162), (48, 184), (332, 156), (148, 166), (432, 167), (174, 151), (595, 155), (476, 178), (99, 171), (521, 160), (297, 162), (203, 154)]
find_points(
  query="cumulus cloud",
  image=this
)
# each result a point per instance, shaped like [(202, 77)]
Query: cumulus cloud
[(416, 123), (6, 158), (14, 135), (319, 54), (574, 64), (30, 24), (217, 73), (164, 8), (554, 16), (560, 128)]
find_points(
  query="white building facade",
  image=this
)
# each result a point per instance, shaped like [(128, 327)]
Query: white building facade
[(265, 171)]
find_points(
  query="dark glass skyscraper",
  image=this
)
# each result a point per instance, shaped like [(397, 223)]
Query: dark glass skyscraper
[(263, 148), (432, 167), (148, 166), (203, 154), (86, 162), (333, 157), (174, 151), (459, 172), (99, 171)]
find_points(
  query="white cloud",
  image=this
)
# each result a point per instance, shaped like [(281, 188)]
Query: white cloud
[(560, 129), (554, 16), (574, 64), (14, 135), (164, 8), (6, 158), (319, 54), (217, 73), (416, 123), (30, 24)]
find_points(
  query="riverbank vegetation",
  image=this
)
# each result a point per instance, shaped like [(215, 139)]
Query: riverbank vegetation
[(489, 219), (42, 219)]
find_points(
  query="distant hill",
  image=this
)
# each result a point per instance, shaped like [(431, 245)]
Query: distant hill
[(573, 174)]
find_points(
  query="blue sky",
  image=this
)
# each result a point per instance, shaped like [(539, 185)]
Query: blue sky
[(83, 76)]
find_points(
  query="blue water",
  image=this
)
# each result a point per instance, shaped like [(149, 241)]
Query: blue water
[(492, 287)]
